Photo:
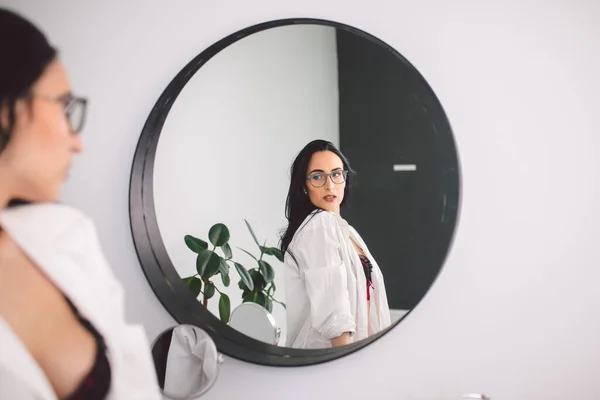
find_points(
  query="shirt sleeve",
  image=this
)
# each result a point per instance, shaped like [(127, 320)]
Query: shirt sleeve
[(325, 276)]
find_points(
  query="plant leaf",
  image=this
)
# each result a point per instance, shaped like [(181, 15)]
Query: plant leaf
[(266, 270), (218, 235), (257, 279), (249, 297), (247, 252), (194, 244), (212, 268), (224, 308), (274, 251), (209, 290), (226, 280), (224, 270), (223, 267), (194, 284), (207, 263), (256, 297), (245, 275), (252, 233), (227, 251)]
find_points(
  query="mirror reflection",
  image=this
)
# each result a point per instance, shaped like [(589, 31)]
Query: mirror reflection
[(255, 321), (274, 156), (334, 288), (186, 362)]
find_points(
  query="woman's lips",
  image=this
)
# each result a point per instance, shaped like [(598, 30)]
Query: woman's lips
[(329, 198)]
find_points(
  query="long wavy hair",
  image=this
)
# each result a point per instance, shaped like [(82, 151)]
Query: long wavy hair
[(297, 204)]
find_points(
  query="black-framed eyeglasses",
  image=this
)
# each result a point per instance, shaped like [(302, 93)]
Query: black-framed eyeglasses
[(318, 179), (75, 109)]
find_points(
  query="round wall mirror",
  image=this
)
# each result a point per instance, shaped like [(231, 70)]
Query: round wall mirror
[(214, 169), (186, 362)]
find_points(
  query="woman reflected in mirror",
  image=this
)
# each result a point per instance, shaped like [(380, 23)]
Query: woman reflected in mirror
[(335, 293)]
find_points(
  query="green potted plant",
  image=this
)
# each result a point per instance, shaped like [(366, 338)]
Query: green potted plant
[(210, 264), (257, 284), (263, 276)]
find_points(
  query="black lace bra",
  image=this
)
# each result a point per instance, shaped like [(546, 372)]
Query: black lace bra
[(96, 384), (368, 268)]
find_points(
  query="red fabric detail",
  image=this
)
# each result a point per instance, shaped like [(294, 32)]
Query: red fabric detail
[(369, 286)]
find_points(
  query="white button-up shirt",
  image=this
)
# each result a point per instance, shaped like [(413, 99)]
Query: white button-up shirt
[(326, 287), (62, 242)]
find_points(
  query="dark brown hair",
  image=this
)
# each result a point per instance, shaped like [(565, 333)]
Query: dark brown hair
[(25, 55)]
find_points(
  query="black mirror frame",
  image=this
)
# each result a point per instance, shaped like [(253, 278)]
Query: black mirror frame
[(151, 252)]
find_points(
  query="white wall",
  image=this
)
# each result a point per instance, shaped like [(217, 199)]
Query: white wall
[(515, 311), (230, 139)]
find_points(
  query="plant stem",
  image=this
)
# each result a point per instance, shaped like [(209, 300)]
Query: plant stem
[(262, 251), (205, 301), (272, 298)]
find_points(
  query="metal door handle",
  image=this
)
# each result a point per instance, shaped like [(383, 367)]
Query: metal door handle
[(476, 396)]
